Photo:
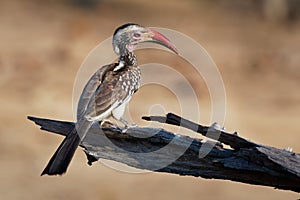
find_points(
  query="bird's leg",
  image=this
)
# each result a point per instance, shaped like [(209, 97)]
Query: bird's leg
[(126, 124), (117, 114)]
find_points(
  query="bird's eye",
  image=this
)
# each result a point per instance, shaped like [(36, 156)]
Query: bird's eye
[(136, 35)]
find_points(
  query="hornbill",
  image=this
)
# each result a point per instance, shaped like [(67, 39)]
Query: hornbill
[(107, 92)]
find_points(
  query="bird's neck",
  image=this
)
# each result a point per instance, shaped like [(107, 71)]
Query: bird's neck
[(128, 59)]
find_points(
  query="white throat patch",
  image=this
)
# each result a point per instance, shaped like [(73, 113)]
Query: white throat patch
[(119, 66)]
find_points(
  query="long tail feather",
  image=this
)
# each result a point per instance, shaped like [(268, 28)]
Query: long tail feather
[(61, 159)]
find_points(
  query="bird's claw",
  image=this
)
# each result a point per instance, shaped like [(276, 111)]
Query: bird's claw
[(124, 130), (132, 125), (127, 124)]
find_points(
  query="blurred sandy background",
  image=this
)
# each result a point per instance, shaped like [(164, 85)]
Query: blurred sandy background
[(43, 43)]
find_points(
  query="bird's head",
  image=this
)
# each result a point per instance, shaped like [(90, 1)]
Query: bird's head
[(127, 36)]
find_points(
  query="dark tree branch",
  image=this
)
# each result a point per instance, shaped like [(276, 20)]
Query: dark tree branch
[(213, 132), (246, 162)]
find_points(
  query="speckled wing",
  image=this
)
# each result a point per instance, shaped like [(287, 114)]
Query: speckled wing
[(90, 89), (108, 96)]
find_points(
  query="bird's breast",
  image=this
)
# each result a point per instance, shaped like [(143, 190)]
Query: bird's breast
[(130, 80)]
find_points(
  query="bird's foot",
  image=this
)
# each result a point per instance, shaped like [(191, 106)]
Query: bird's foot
[(126, 127), (127, 124), (108, 125), (124, 130)]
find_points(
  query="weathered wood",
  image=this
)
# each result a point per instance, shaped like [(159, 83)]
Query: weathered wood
[(163, 151), (233, 140)]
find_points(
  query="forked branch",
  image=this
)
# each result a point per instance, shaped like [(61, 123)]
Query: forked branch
[(163, 151)]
